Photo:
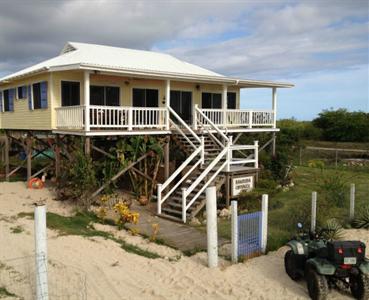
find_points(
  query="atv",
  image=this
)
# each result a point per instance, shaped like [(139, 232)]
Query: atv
[(326, 263)]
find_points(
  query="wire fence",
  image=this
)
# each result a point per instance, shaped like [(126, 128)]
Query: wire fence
[(348, 159), (18, 279)]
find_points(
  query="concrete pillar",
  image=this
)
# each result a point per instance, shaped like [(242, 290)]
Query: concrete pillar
[(88, 146)]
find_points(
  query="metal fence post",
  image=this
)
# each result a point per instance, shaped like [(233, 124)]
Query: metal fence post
[(264, 223), (41, 252), (352, 201), (234, 229), (211, 226), (313, 211)]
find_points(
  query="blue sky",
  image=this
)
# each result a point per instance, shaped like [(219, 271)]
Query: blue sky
[(320, 46)]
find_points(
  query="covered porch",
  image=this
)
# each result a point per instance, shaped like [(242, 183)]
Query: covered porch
[(152, 107)]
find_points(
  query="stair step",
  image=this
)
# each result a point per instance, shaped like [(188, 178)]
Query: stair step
[(172, 211), (170, 217)]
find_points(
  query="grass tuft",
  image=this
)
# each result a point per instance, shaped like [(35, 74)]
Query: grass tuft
[(4, 293)]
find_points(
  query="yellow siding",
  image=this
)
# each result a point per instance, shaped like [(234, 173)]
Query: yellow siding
[(22, 117), (45, 119)]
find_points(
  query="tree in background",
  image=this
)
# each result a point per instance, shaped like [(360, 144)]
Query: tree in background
[(343, 126)]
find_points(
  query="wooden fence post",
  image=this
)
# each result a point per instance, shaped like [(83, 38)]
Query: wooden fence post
[(352, 201), (264, 223), (313, 211), (234, 221)]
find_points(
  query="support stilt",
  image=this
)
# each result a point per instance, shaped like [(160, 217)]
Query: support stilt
[(29, 157), (6, 149), (87, 145), (227, 188), (274, 144), (57, 156), (166, 158)]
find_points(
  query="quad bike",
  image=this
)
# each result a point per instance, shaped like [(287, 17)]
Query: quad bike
[(326, 263)]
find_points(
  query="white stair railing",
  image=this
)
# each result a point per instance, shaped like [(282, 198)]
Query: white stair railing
[(198, 151)]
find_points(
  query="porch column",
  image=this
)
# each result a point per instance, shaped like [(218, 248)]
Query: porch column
[(274, 106), (224, 105), (167, 93), (86, 86)]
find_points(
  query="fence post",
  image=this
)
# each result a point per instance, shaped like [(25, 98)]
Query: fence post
[(313, 211), (264, 223), (234, 229), (211, 226), (159, 187), (41, 252), (352, 201)]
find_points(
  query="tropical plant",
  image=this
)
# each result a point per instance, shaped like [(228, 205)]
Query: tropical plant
[(332, 230), (125, 215), (362, 219)]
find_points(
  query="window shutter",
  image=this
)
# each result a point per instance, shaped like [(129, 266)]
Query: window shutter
[(11, 99), (43, 86), (24, 91), (1, 101), (30, 102)]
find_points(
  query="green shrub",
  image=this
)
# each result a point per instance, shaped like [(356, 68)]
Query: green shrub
[(333, 188), (332, 230), (362, 219)]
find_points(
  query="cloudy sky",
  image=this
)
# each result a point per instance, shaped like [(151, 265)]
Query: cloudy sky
[(320, 46)]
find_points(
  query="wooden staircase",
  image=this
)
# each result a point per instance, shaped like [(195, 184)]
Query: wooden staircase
[(172, 208)]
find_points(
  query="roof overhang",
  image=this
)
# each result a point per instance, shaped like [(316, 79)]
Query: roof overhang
[(242, 83)]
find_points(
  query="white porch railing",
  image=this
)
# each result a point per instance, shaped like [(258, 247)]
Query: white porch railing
[(113, 117), (239, 117), (70, 117)]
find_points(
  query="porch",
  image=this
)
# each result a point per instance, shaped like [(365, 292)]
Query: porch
[(138, 119)]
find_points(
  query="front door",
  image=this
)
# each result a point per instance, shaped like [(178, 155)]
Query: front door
[(181, 103)]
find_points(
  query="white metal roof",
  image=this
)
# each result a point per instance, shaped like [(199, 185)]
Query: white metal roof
[(127, 61)]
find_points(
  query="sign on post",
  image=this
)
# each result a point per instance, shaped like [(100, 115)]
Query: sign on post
[(244, 183)]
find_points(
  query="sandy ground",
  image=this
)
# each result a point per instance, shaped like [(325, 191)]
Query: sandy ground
[(82, 268)]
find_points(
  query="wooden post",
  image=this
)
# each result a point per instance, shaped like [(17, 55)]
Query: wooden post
[(336, 164), (234, 236), (227, 188), (274, 144), (300, 156), (6, 149), (87, 145), (57, 156), (29, 157), (313, 211), (86, 89), (352, 201), (224, 105), (166, 158)]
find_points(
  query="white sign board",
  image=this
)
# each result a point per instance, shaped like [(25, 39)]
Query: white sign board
[(242, 183)]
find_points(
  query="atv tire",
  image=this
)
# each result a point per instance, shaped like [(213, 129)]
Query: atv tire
[(290, 264), (317, 285), (359, 285)]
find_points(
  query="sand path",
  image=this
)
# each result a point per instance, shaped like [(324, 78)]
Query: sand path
[(111, 273)]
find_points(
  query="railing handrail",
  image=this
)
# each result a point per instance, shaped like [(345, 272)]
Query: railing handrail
[(184, 124), (212, 124), (206, 171), (182, 133)]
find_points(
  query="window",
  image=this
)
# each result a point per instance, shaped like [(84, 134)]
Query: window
[(6, 100), (36, 95), (104, 95), (211, 100), (231, 100), (70, 93), (22, 92), (9, 96), (145, 98)]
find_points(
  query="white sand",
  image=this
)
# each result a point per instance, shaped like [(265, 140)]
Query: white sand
[(112, 273)]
